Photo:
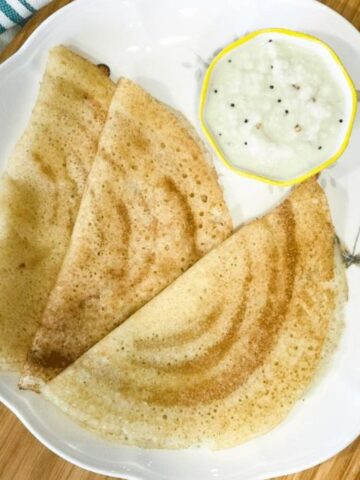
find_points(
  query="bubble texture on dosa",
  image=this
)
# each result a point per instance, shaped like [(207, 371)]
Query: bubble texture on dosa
[(224, 352), (40, 192), (152, 207)]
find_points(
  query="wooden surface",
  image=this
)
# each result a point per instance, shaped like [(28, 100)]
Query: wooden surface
[(30, 26), (24, 458)]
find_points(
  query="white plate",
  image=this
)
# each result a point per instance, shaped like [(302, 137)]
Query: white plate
[(163, 45)]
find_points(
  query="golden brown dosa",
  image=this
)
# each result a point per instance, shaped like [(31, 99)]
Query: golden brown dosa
[(152, 207), (224, 352), (40, 192)]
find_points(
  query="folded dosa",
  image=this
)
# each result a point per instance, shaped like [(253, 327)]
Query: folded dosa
[(224, 352), (40, 192), (152, 207)]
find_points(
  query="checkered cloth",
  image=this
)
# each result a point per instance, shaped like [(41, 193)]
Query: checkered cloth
[(14, 14)]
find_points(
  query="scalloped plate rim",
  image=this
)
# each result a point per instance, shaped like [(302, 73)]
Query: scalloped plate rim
[(25, 415)]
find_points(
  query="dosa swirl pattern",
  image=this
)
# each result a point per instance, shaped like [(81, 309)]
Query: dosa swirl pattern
[(151, 208), (224, 352), (40, 193)]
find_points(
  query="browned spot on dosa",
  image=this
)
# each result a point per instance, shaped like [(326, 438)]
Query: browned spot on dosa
[(264, 331), (190, 224)]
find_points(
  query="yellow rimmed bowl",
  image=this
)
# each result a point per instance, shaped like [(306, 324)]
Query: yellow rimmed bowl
[(346, 83)]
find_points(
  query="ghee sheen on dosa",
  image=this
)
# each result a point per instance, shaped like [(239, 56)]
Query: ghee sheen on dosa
[(152, 207), (40, 192), (224, 352)]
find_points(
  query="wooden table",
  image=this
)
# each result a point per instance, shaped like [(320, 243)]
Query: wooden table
[(22, 457)]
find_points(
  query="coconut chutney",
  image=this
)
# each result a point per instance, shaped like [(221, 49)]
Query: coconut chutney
[(278, 105)]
